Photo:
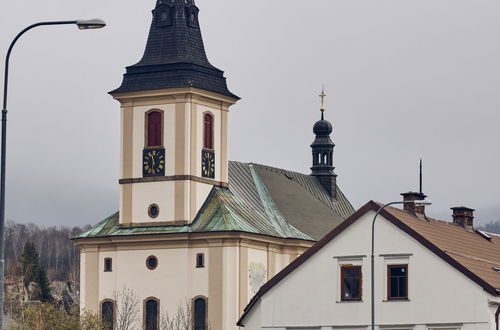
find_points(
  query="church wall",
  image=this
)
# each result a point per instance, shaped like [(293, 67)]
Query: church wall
[(257, 270), (89, 286), (230, 285), (169, 131), (201, 109), (178, 280)]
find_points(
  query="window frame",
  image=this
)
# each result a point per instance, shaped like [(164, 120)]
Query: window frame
[(146, 129), (144, 309), (113, 303), (389, 267), (193, 310), (147, 262), (110, 264), (212, 132), (342, 277), (202, 255)]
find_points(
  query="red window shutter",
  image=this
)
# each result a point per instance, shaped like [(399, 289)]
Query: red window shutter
[(208, 139), (154, 129)]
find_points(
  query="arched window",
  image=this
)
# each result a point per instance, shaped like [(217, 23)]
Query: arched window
[(108, 314), (208, 131), (200, 314), (151, 319), (154, 127)]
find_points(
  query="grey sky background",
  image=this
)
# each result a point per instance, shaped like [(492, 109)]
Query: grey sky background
[(405, 79)]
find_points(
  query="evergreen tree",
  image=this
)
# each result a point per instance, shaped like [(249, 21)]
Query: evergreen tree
[(34, 272)]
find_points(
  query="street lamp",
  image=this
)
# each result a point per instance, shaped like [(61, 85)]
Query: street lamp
[(416, 202), (82, 25)]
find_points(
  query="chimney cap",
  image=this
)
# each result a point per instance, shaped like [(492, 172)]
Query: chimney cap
[(414, 193), (465, 208)]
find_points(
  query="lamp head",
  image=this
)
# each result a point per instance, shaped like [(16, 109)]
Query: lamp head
[(86, 24)]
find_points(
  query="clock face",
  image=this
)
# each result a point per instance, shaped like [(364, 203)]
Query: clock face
[(208, 164), (153, 162)]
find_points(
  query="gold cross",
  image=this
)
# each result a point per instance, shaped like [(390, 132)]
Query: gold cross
[(322, 96)]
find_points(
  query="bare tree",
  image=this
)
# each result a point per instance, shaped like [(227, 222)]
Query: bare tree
[(182, 320), (127, 309)]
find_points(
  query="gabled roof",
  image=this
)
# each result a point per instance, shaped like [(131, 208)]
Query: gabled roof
[(260, 200), (473, 253)]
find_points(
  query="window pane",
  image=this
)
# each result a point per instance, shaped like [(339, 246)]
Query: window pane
[(351, 283), (154, 129), (402, 287), (151, 315), (398, 271), (397, 281), (394, 287), (107, 315), (351, 272), (200, 311)]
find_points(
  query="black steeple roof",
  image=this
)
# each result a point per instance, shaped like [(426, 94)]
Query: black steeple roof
[(175, 55)]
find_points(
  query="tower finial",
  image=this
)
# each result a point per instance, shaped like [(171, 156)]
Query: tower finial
[(421, 175), (322, 96)]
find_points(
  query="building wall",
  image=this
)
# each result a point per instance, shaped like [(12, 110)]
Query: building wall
[(183, 116), (439, 295), (231, 268)]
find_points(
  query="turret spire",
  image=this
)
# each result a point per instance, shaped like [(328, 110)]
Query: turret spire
[(322, 96), (322, 152), (175, 55)]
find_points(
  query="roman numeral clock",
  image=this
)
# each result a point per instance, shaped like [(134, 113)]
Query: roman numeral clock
[(208, 164), (153, 162)]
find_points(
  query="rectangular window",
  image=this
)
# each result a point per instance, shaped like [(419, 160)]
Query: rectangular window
[(200, 260), (397, 282), (108, 264), (350, 283)]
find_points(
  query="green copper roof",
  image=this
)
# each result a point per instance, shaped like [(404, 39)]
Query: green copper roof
[(249, 205)]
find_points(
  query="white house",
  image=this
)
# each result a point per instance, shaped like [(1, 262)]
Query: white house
[(429, 274)]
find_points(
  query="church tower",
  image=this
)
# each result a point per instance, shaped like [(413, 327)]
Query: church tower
[(174, 123), (322, 152)]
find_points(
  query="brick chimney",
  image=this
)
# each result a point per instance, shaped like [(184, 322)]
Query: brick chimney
[(411, 207), (463, 216)]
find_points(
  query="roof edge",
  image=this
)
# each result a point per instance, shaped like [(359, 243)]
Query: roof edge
[(370, 206)]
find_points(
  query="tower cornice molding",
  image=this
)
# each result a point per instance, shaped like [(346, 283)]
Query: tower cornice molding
[(174, 95)]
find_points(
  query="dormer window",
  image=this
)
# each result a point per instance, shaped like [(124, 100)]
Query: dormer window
[(154, 128), (208, 131)]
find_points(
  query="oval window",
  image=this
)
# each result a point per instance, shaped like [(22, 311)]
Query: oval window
[(153, 211), (152, 262)]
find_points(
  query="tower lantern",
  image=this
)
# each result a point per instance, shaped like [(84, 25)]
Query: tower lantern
[(322, 152)]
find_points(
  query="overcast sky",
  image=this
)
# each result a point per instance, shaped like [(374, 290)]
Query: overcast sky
[(404, 79)]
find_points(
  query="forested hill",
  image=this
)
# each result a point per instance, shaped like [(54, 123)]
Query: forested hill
[(58, 255), (492, 227)]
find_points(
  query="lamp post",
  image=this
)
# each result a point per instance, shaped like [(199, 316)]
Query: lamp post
[(82, 25), (416, 202)]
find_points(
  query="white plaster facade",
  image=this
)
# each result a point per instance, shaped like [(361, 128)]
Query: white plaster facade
[(182, 135), (439, 296), (225, 280)]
